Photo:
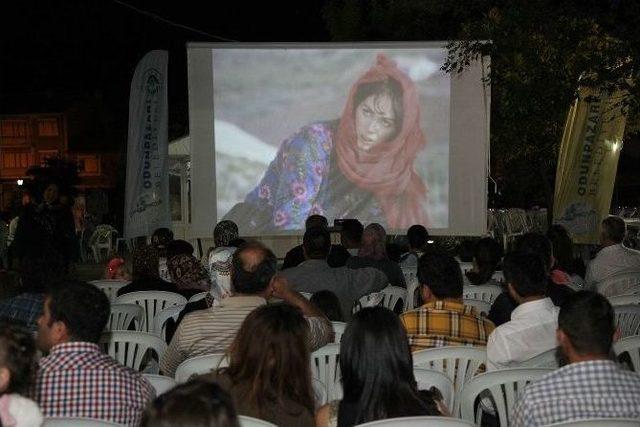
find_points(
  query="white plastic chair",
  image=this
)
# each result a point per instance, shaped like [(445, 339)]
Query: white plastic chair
[(199, 365), (418, 422), (162, 317), (160, 383), (501, 388), (413, 295), (325, 367), (498, 276), (427, 378), (628, 319), (486, 293), (130, 347), (246, 421), (338, 329), (631, 346), (459, 363), (320, 392), (101, 239), (122, 315), (599, 422), (393, 294), (620, 284), (370, 300), (152, 302), (410, 274), (631, 299), (482, 307), (110, 287), (197, 297), (543, 360), (307, 295), (76, 422)]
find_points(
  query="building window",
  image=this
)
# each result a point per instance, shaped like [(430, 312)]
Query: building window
[(14, 129), (88, 165), (48, 127), (16, 160)]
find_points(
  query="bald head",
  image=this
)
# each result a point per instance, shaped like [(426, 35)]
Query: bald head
[(253, 267)]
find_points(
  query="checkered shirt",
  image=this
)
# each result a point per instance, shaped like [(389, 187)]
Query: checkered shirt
[(583, 390), (24, 307), (77, 380), (442, 323)]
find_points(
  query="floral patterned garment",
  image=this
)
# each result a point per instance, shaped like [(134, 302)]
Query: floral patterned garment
[(304, 179)]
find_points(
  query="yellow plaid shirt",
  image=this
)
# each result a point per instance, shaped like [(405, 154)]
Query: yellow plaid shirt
[(444, 322)]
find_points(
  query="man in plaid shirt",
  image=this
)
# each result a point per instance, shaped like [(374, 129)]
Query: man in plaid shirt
[(591, 385), (76, 379), (443, 320)]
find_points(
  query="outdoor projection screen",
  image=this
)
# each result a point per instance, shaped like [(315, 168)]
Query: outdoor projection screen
[(376, 132)]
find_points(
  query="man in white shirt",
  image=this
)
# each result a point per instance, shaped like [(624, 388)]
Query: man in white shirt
[(532, 328), (613, 259)]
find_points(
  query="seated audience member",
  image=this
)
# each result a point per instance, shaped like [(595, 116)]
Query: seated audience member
[(212, 330), (487, 254), (535, 244), (218, 258), (351, 235), (188, 274), (179, 247), (591, 385), (116, 270), (197, 403), (329, 304), (337, 256), (566, 267), (380, 387), (533, 324), (17, 362), (443, 320), (145, 273), (373, 253), (315, 274), (417, 236), (613, 259), (77, 379), (269, 375)]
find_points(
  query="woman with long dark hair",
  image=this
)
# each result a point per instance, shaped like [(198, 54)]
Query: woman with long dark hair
[(377, 374), (487, 254)]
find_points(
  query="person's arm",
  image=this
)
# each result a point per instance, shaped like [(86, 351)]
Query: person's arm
[(497, 352), (173, 356)]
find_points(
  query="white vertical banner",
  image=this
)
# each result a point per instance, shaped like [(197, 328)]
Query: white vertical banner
[(147, 186)]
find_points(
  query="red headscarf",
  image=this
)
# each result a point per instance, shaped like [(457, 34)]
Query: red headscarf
[(387, 169)]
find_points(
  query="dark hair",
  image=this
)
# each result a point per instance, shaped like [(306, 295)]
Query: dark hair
[(316, 221), (329, 304), (316, 243), (526, 273), (224, 232), (487, 253), (270, 357), (587, 318), (465, 250), (199, 403), (17, 354), (253, 267), (377, 370), (441, 273), (352, 230), (390, 87), (417, 236), (536, 244), (179, 247), (237, 242), (614, 228), (161, 237), (562, 248), (82, 307)]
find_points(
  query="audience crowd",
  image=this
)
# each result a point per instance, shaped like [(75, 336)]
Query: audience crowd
[(267, 321)]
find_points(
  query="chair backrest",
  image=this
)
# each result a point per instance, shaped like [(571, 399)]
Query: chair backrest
[(162, 317), (413, 295), (307, 295), (325, 366), (543, 360), (628, 319), (246, 421), (459, 363), (130, 347), (110, 287), (319, 392), (620, 284), (482, 307), (599, 422), (160, 383), (197, 297), (419, 422), (122, 315), (631, 299), (152, 302), (631, 346), (482, 292), (427, 378), (498, 276), (199, 365), (338, 329), (502, 386), (393, 294), (76, 422), (370, 300)]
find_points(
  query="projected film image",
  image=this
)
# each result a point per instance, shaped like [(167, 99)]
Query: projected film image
[(345, 133)]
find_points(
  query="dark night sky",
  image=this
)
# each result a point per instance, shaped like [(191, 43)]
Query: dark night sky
[(79, 56)]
